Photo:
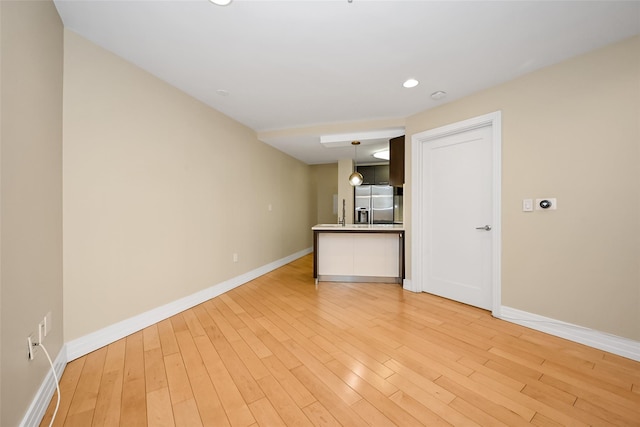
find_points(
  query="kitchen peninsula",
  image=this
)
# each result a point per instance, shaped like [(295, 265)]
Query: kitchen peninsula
[(358, 253)]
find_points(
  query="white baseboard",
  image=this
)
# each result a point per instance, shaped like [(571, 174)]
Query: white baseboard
[(40, 402), (88, 343), (95, 340), (614, 344)]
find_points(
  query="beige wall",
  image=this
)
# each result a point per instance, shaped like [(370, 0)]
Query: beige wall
[(570, 131), (30, 197), (326, 185), (159, 192), (345, 190)]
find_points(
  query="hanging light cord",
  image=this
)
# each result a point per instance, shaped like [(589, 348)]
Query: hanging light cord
[(356, 177), (55, 412), (355, 161)]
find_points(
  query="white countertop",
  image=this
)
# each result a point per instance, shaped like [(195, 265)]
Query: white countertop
[(359, 227)]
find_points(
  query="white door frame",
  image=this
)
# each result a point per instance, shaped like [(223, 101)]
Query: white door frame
[(418, 241)]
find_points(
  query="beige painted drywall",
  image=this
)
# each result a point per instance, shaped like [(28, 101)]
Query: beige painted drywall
[(31, 196), (160, 191), (326, 185), (570, 131), (1, 365), (345, 190)]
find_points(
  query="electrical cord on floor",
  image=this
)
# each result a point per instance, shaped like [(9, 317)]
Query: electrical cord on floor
[(55, 412)]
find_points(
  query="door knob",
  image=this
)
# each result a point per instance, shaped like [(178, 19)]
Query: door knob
[(485, 228)]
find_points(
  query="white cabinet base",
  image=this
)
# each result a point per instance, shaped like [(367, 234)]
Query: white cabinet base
[(359, 257), (357, 279)]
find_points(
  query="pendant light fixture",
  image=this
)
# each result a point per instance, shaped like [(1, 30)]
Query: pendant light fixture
[(355, 178)]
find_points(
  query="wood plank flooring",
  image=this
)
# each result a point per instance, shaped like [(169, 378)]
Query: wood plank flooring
[(278, 352)]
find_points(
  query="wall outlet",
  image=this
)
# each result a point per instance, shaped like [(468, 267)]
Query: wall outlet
[(41, 333), (31, 349), (235, 257), (48, 324)]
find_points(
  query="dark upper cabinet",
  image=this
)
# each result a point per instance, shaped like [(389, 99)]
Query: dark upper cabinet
[(396, 161), (382, 175), (374, 175), (368, 174)]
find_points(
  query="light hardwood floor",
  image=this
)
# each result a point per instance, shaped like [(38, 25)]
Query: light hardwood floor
[(276, 351)]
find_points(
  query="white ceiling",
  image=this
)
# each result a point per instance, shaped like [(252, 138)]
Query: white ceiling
[(301, 63)]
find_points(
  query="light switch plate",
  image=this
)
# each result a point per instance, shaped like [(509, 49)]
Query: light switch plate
[(527, 205)]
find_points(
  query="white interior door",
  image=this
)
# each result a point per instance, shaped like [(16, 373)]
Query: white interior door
[(456, 220)]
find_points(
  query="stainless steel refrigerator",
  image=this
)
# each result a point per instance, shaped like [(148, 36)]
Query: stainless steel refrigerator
[(373, 204)]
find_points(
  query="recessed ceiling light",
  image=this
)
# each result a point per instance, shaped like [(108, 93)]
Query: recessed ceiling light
[(384, 155), (438, 95), (221, 2), (410, 83)]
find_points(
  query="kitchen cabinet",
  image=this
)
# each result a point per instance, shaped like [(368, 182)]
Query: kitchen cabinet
[(358, 253), (382, 175), (374, 175), (396, 161), (368, 174)]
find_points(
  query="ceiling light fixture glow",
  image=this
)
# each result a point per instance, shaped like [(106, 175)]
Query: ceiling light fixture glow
[(410, 83), (221, 2), (383, 155)]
